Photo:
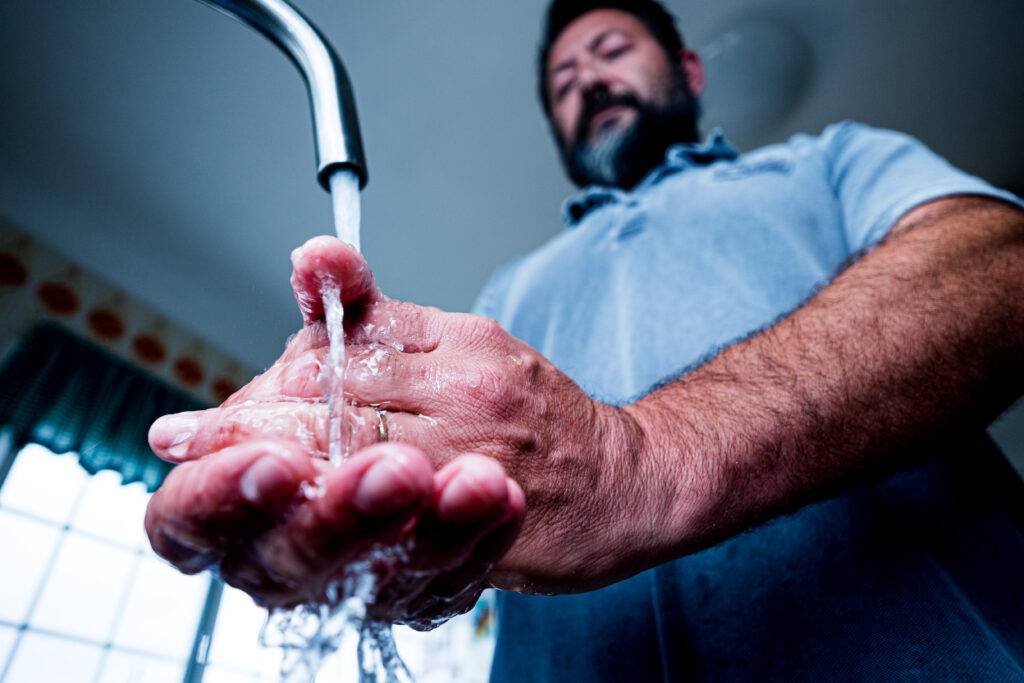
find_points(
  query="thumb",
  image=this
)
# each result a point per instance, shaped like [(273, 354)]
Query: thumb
[(328, 258)]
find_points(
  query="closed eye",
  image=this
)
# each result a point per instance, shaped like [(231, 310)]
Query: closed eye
[(563, 90), (612, 55)]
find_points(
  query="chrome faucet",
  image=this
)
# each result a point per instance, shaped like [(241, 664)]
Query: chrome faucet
[(339, 144)]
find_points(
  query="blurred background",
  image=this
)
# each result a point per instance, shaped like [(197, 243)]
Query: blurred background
[(156, 169)]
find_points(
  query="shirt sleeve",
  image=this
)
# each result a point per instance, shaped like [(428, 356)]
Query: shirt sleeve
[(879, 175)]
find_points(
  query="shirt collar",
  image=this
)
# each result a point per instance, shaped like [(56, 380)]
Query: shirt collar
[(678, 158)]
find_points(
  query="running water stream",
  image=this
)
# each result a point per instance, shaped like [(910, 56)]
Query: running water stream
[(309, 633), (347, 207)]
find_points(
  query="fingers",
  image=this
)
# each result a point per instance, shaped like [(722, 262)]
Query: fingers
[(402, 379), (476, 515), (241, 509), (309, 341), (471, 491), (301, 377), (378, 481), (471, 499), (400, 325), (229, 510), (324, 258), (310, 337), (207, 506), (298, 377), (192, 435), (385, 325), (456, 591), (420, 329), (365, 502), (408, 382), (489, 549)]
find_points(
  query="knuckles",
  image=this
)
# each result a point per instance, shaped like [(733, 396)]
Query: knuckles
[(476, 331), (501, 384), (301, 377), (487, 390)]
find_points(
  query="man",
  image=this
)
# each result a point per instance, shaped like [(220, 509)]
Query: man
[(803, 343)]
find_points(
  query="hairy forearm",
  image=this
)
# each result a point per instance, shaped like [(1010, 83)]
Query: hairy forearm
[(920, 340)]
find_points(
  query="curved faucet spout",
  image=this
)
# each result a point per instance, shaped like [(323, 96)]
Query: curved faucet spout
[(335, 124)]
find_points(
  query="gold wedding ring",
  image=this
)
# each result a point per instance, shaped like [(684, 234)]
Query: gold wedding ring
[(382, 425)]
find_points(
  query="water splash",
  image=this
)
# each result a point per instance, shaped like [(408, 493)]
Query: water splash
[(309, 633)]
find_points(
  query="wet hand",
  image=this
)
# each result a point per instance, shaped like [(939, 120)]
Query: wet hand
[(452, 383), (242, 510)]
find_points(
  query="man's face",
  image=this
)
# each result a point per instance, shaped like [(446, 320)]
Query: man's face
[(617, 99)]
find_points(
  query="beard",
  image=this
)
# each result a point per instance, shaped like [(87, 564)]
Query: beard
[(622, 157)]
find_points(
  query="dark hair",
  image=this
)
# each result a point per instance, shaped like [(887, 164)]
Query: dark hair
[(561, 13)]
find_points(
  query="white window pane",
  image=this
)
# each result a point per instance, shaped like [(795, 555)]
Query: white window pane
[(44, 658), (85, 588), (217, 674), (342, 665), (112, 510), (122, 667), (236, 636), (34, 543), (163, 610), (452, 652), (413, 645), (43, 484), (7, 637)]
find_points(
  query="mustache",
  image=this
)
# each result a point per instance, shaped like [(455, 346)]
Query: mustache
[(594, 101)]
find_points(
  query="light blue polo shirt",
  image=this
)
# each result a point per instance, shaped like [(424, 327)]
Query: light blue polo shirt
[(919, 576)]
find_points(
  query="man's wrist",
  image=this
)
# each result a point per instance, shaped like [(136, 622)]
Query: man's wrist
[(675, 486)]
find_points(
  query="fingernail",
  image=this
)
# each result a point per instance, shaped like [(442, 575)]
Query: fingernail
[(266, 480), (179, 447), (384, 489), (171, 433)]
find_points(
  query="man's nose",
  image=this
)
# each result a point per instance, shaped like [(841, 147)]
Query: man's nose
[(590, 77)]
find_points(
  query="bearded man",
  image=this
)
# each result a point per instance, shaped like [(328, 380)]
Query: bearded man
[(731, 424)]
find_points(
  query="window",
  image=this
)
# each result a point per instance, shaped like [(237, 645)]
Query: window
[(84, 598)]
